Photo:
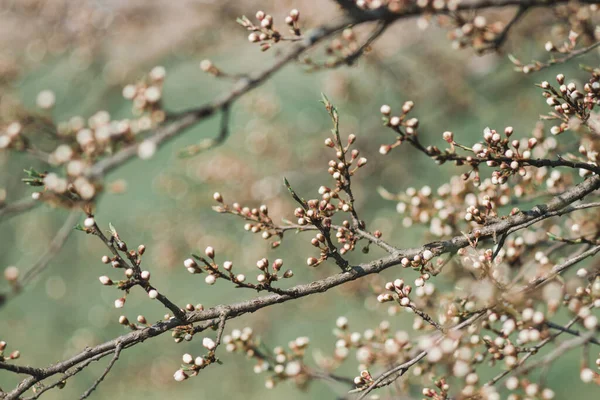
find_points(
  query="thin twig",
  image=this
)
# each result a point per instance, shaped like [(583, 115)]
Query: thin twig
[(534, 350), (401, 369), (10, 210), (106, 371), (538, 66), (573, 332), (58, 242), (207, 144), (502, 36)]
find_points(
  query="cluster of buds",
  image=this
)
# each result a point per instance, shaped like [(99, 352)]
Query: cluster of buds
[(99, 135), (422, 207), (498, 150), (465, 29), (59, 190), (284, 365), (134, 275), (339, 51), (317, 213), (502, 348), (480, 215), (146, 95), (10, 136), (584, 301), (404, 126), (455, 354), (398, 288), (396, 346), (475, 31), (419, 262), (484, 265), (374, 346), (568, 46), (258, 219), (342, 168), (321, 211), (364, 380), (530, 389), (264, 32), (264, 279), (440, 392), (501, 152), (571, 106), (82, 142), (193, 365), (243, 341), (123, 320), (211, 267), (10, 356), (289, 364), (346, 237), (397, 6), (564, 48)]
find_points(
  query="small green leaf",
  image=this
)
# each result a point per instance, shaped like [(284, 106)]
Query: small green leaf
[(78, 227), (34, 178), (293, 193), (552, 236), (113, 231)]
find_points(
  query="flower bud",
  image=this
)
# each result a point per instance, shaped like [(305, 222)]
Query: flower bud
[(209, 343), (119, 303), (180, 375), (105, 280), (385, 109)]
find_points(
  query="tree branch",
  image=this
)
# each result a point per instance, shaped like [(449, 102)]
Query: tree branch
[(237, 309), (39, 266), (106, 371)]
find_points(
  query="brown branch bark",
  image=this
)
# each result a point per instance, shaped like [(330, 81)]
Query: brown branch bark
[(213, 315)]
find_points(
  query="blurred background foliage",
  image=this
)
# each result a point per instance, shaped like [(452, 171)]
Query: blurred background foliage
[(86, 51)]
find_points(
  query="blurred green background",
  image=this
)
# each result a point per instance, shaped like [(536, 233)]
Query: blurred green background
[(276, 131)]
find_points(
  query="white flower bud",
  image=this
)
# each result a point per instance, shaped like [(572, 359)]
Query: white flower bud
[(210, 252), (180, 375), (105, 280), (385, 109), (208, 343), (587, 375), (146, 149), (46, 99)]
